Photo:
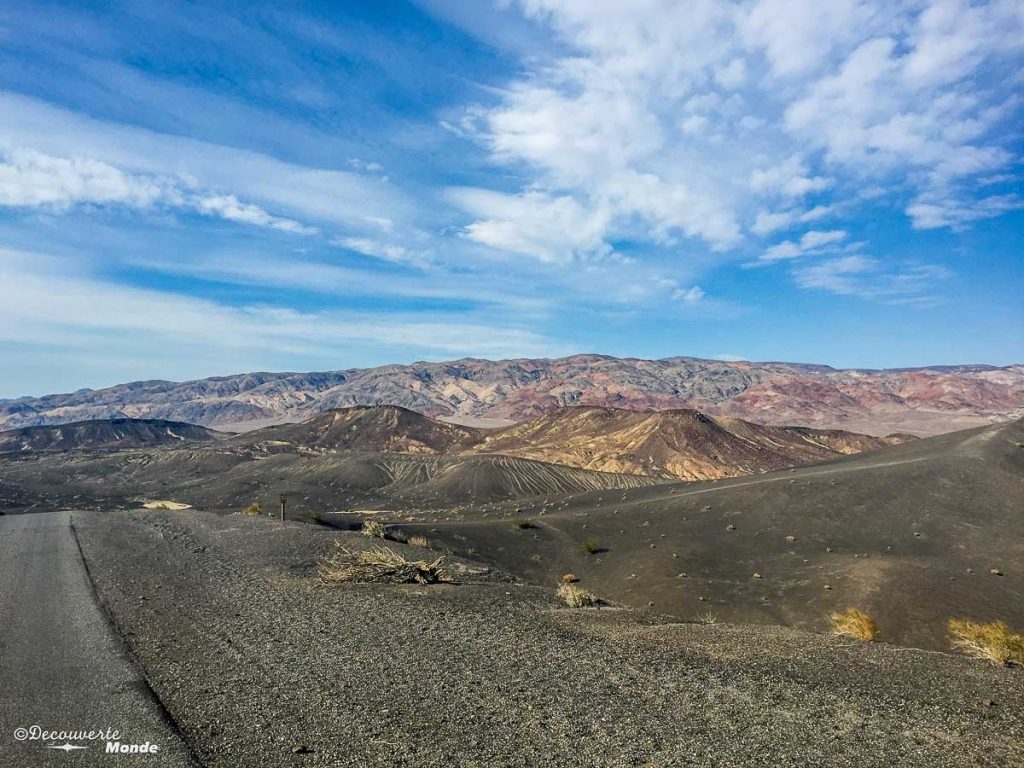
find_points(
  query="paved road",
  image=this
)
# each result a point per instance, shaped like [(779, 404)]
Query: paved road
[(61, 665)]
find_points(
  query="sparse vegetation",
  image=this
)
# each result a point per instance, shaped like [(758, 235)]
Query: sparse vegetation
[(707, 618), (419, 541), (569, 578), (591, 547), (374, 530), (855, 623), (992, 642), (576, 597), (253, 509), (380, 564)]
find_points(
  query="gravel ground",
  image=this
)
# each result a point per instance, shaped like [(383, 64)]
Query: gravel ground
[(254, 659)]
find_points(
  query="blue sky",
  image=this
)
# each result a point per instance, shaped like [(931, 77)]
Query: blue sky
[(198, 189)]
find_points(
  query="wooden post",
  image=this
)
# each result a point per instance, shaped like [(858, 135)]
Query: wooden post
[(284, 500)]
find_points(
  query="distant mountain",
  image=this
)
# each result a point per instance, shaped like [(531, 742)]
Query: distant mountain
[(104, 433), (921, 401), (681, 444), (384, 428)]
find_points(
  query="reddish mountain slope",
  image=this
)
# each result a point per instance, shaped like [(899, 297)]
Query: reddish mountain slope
[(921, 401)]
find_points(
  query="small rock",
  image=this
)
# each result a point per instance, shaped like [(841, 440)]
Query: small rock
[(730, 527), (790, 539), (301, 749), (988, 702), (828, 587), (996, 572), (756, 576)]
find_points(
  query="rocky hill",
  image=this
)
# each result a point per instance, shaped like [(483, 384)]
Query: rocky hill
[(678, 444), (921, 401), (683, 444), (384, 428), (104, 433)]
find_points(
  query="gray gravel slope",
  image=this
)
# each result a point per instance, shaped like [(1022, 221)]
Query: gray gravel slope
[(254, 659)]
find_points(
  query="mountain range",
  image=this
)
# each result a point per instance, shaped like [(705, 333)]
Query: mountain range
[(921, 401)]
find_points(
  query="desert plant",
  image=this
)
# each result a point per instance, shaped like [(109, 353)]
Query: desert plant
[(576, 597), (379, 564), (253, 509), (569, 578), (992, 642), (374, 530), (591, 547), (707, 618), (419, 541), (853, 622)]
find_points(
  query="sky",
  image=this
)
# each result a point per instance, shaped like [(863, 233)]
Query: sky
[(189, 190)]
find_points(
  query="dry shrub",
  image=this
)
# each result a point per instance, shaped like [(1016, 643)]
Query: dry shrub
[(419, 541), (992, 642), (591, 547), (576, 597), (853, 622), (569, 578), (253, 509), (379, 564), (374, 530)]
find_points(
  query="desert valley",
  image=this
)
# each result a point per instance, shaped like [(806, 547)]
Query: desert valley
[(663, 545)]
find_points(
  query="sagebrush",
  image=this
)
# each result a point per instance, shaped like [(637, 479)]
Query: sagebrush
[(855, 623), (379, 564), (576, 597), (993, 642), (374, 530)]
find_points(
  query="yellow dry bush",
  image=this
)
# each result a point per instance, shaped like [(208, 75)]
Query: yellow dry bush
[(419, 541), (992, 642), (853, 622), (253, 509), (379, 564), (374, 530), (569, 578), (576, 597)]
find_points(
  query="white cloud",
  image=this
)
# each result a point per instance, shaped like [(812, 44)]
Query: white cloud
[(952, 212), (314, 196), (732, 75), (30, 179), (789, 178), (690, 295), (768, 222), (868, 278), (378, 249), (228, 207), (667, 120), (548, 228), (49, 301), (815, 241), (799, 37)]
